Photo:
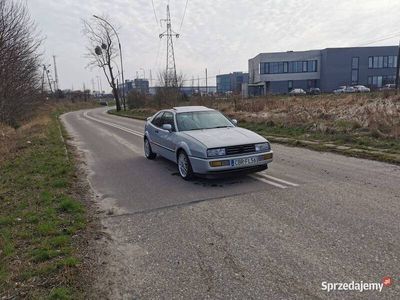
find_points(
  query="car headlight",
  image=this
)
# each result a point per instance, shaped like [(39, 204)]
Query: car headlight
[(264, 147), (216, 152)]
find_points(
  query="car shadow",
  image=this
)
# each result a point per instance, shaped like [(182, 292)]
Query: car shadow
[(218, 182)]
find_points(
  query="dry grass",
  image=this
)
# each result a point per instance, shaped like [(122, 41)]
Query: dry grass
[(8, 141), (377, 114), (12, 140)]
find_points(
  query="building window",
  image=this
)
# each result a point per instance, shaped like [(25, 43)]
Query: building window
[(378, 81), (382, 62), (312, 66), (299, 66), (389, 79), (385, 61), (289, 67), (290, 85), (375, 66), (280, 67), (305, 69), (390, 62), (354, 76), (292, 67), (354, 70), (355, 63)]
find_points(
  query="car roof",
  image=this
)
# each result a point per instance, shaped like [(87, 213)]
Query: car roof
[(180, 109)]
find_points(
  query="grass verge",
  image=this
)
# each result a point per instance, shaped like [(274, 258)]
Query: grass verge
[(386, 150), (140, 114), (356, 145), (41, 216)]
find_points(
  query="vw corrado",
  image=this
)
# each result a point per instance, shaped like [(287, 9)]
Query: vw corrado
[(203, 141)]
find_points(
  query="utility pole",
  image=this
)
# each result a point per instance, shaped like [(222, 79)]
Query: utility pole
[(93, 85), (44, 70), (206, 82), (47, 72), (55, 74), (151, 79), (198, 85), (101, 86), (98, 84), (170, 71), (192, 85), (398, 70)]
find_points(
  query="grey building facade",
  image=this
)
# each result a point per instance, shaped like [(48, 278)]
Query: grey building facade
[(327, 69), (138, 85), (231, 82)]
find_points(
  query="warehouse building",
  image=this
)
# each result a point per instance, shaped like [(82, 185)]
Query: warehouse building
[(232, 82), (327, 69)]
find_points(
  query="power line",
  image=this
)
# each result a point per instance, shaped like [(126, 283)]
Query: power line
[(184, 14), (155, 14), (384, 38)]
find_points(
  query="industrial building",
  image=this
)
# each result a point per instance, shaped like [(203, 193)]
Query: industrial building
[(327, 69), (231, 82), (137, 85)]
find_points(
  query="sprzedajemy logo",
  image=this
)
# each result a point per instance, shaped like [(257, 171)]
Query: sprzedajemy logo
[(360, 286)]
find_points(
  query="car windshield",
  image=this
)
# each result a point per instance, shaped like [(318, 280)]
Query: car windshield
[(199, 120)]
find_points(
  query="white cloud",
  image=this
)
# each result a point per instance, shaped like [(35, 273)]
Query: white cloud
[(220, 35)]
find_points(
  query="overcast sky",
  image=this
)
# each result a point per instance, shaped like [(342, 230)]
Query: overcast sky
[(218, 34)]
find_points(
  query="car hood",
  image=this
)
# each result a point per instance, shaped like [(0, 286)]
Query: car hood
[(223, 137)]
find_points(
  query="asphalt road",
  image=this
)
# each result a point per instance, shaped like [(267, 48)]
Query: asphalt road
[(311, 217)]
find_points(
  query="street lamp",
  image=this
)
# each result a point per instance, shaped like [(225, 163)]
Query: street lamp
[(120, 55)]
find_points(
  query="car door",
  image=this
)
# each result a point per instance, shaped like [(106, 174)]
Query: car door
[(166, 138), (154, 128)]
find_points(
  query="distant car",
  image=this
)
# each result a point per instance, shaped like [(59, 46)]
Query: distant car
[(340, 90), (314, 91), (297, 92), (388, 87), (104, 103), (203, 141), (350, 90), (344, 89), (361, 89)]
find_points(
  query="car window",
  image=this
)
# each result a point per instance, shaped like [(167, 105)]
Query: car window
[(201, 120), (168, 118), (157, 121)]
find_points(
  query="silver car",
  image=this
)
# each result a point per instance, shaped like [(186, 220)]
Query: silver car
[(202, 141)]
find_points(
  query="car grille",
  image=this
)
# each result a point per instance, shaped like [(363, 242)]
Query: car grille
[(234, 150)]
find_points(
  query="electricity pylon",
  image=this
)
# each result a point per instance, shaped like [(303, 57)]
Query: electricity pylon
[(170, 71)]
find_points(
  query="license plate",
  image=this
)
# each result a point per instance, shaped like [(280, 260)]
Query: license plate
[(244, 161)]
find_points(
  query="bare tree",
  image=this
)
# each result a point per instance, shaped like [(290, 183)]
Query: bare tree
[(19, 63), (102, 51), (170, 94)]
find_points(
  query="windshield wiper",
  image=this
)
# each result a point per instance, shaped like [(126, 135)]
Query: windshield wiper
[(226, 126)]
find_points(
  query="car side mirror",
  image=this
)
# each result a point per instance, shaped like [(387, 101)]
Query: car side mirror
[(167, 127), (235, 122), (148, 119)]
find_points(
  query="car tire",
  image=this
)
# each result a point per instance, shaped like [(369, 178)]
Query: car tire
[(147, 150), (184, 166)]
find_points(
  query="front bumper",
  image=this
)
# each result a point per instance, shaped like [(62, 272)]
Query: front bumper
[(204, 166)]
